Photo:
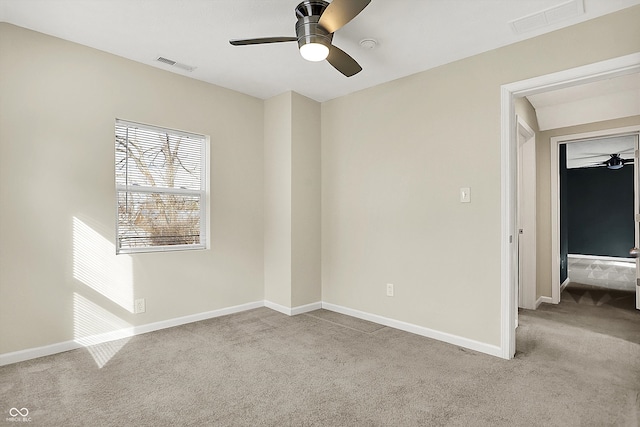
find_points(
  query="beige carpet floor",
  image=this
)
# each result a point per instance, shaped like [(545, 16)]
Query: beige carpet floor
[(577, 364)]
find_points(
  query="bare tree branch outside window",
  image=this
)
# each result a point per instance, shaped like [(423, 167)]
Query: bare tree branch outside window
[(158, 177)]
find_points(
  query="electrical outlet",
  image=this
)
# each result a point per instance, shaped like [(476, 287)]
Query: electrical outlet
[(389, 289), (139, 306)]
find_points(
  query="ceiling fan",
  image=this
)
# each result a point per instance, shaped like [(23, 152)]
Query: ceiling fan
[(613, 162), (317, 21)]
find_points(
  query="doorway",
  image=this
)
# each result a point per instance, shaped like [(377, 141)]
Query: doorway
[(602, 236), (625, 65)]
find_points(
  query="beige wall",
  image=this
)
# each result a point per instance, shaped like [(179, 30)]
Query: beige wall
[(292, 200), (525, 110), (58, 104), (277, 199), (393, 160), (543, 212), (305, 207)]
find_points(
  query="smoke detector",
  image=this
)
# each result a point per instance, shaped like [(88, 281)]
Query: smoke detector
[(368, 44)]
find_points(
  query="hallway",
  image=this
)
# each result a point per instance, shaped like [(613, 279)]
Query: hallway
[(593, 337)]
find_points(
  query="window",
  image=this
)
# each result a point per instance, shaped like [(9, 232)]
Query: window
[(161, 191)]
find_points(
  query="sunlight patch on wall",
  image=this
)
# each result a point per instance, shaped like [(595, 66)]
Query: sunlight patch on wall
[(96, 265), (100, 331)]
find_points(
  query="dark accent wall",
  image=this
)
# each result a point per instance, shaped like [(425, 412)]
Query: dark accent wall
[(564, 209), (600, 211)]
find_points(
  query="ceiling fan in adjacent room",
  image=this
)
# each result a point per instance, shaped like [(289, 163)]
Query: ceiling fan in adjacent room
[(317, 22), (613, 162)]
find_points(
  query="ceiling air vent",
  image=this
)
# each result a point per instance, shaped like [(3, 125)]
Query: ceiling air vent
[(175, 64), (566, 10)]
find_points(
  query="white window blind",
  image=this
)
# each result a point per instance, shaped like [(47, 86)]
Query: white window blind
[(161, 191)]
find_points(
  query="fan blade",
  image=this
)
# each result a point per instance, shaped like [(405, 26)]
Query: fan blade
[(340, 12), (590, 156), (625, 161), (263, 40), (342, 62)]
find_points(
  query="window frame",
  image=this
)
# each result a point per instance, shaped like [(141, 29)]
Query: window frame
[(203, 193)]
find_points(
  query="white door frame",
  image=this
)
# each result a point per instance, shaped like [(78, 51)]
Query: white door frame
[(636, 213), (556, 141), (526, 216), (624, 65)]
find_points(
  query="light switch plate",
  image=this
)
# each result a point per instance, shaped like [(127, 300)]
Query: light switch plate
[(465, 195)]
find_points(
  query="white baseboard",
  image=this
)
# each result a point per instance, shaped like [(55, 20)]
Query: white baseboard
[(306, 308), (293, 310), (546, 300), (564, 284), (47, 350), (277, 307), (419, 330), (601, 258), (32, 353), (150, 327)]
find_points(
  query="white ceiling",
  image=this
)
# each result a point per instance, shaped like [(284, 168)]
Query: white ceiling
[(412, 35)]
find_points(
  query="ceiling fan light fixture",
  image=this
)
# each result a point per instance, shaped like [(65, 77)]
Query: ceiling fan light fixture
[(615, 162), (313, 40), (314, 52), (614, 167)]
